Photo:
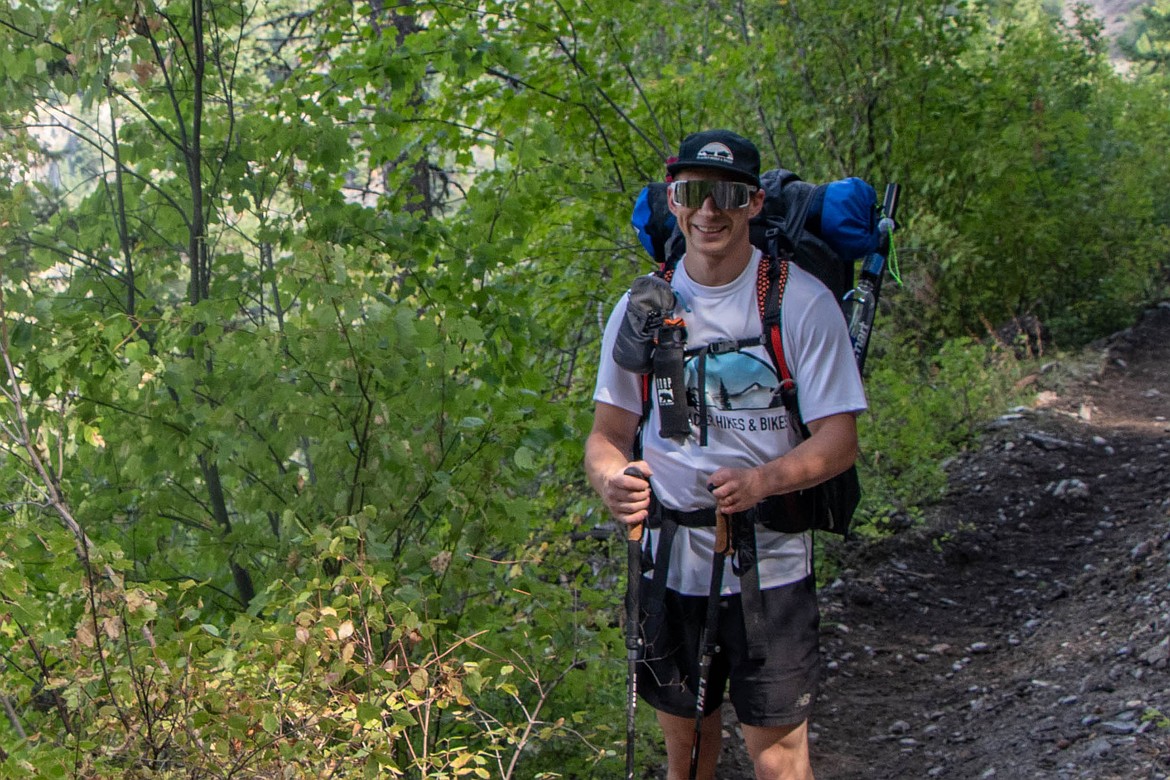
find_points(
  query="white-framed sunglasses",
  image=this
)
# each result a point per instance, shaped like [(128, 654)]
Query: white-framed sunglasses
[(690, 193)]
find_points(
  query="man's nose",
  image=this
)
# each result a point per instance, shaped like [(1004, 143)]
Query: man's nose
[(709, 204)]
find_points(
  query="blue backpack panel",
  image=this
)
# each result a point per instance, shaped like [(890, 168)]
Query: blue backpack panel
[(849, 218)]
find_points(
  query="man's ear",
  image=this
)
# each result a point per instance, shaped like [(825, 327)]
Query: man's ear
[(757, 204)]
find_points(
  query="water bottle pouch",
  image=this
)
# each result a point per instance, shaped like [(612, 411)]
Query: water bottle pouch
[(651, 300), (670, 390)]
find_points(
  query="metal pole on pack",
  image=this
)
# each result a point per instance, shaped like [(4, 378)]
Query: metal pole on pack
[(633, 634), (860, 303), (710, 635)]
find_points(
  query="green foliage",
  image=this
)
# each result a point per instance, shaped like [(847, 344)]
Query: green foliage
[(1018, 140), (921, 413), (1147, 41)]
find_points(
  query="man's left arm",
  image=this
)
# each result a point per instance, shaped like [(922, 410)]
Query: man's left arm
[(829, 450)]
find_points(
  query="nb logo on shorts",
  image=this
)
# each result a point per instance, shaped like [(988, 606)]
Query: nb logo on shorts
[(804, 700)]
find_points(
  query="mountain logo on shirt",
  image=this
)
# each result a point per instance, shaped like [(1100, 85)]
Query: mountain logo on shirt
[(736, 381)]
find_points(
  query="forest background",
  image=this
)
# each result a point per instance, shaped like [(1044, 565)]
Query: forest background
[(300, 303)]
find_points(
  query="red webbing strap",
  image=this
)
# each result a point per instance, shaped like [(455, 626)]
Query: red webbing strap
[(770, 312), (769, 305)]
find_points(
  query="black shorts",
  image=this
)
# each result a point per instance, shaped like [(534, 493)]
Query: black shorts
[(778, 690)]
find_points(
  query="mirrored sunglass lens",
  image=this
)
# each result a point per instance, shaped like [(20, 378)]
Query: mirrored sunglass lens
[(681, 193), (731, 194), (690, 194), (727, 194)]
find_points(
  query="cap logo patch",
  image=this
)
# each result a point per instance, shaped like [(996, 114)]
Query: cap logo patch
[(715, 151)]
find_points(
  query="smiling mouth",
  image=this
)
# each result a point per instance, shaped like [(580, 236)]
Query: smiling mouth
[(708, 229)]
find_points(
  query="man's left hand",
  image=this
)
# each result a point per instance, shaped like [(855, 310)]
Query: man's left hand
[(737, 490)]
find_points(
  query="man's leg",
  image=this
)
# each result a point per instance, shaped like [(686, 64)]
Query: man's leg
[(679, 735), (779, 752), (773, 696)]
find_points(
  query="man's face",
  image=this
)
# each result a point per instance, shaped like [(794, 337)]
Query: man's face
[(709, 229)]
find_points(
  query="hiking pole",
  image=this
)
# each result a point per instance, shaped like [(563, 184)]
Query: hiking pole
[(710, 636), (633, 635), (860, 303)]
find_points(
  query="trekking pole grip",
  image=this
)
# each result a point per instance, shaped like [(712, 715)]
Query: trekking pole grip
[(722, 534), (634, 532), (889, 215), (890, 201)]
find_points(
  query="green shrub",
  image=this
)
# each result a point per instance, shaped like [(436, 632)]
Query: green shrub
[(336, 675), (921, 412)]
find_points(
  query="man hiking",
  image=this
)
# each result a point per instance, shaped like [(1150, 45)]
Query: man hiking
[(743, 451)]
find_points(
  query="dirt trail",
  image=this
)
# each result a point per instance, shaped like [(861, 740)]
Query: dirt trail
[(1024, 630)]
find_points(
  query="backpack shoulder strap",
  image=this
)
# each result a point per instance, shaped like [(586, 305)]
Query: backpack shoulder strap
[(770, 285)]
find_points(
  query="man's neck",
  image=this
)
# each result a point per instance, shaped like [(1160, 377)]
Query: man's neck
[(718, 270)]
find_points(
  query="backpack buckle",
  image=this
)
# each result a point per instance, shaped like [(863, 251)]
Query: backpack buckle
[(721, 347), (788, 396)]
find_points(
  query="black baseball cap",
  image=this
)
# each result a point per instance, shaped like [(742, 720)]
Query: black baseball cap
[(719, 150)]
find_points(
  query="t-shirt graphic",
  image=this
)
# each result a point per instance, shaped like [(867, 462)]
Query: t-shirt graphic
[(736, 381)]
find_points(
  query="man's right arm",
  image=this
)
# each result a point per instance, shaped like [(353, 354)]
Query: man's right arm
[(608, 453)]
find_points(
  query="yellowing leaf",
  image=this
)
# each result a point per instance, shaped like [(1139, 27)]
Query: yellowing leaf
[(135, 599), (93, 437)]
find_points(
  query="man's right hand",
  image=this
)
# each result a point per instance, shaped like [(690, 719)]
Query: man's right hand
[(626, 493), (607, 459)]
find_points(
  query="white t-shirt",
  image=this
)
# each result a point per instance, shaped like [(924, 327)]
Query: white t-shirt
[(747, 425)]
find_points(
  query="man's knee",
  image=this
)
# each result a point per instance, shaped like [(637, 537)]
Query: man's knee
[(779, 752)]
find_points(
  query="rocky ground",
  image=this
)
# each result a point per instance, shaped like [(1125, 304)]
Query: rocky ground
[(1023, 631)]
